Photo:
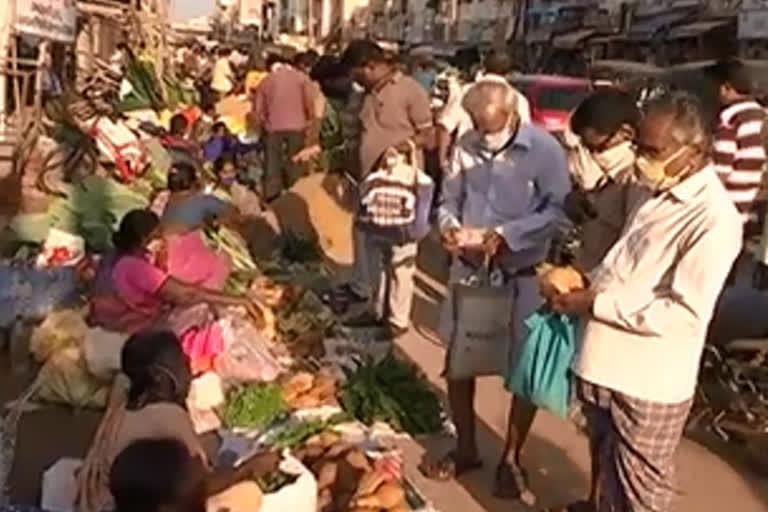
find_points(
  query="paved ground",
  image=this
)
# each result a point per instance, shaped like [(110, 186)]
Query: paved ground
[(557, 453)]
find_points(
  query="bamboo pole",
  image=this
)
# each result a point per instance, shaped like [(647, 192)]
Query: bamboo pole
[(7, 16)]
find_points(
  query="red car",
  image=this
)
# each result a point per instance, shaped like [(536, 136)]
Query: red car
[(552, 98)]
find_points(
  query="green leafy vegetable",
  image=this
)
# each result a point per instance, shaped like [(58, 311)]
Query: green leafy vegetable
[(254, 406), (273, 482), (297, 249), (392, 392), (296, 433)]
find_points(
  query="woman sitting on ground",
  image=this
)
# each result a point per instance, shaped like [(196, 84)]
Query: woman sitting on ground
[(188, 212), (133, 293), (159, 475), (159, 378)]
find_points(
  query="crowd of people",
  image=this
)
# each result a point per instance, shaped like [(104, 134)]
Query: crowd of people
[(662, 203)]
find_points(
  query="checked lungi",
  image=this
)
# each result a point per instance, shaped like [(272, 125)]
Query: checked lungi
[(634, 443)]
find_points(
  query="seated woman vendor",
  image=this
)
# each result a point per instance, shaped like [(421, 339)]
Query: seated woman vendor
[(159, 378), (132, 293), (188, 211)]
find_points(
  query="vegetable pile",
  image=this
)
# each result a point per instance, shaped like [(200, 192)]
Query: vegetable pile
[(254, 406), (392, 392), (348, 481), (307, 391), (295, 434)]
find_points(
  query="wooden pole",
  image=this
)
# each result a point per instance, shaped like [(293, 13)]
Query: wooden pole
[(7, 17), (311, 22)]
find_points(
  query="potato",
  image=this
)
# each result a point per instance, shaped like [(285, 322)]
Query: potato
[(314, 452), (299, 383), (316, 440), (329, 438), (357, 459), (369, 483), (325, 501), (337, 450), (326, 476), (305, 401), (387, 496), (561, 280), (325, 384)]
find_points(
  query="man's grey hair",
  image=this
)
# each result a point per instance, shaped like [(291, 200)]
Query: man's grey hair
[(484, 94), (690, 127)]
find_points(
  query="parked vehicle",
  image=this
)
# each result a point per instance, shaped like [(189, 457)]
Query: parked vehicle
[(552, 98)]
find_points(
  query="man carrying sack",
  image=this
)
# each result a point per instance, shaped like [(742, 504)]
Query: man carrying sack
[(502, 203)]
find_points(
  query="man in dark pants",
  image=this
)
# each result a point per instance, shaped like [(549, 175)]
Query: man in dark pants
[(283, 106)]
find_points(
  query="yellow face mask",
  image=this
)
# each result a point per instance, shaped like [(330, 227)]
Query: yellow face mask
[(652, 171)]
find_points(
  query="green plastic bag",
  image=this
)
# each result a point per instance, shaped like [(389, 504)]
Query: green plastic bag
[(542, 372)]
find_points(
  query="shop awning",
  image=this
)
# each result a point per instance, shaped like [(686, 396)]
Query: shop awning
[(696, 29), (645, 29), (570, 39), (106, 9)]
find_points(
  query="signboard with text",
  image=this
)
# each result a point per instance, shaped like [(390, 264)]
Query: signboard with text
[(753, 24), (250, 12), (47, 19)]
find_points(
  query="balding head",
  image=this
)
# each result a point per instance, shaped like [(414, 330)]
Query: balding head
[(492, 105)]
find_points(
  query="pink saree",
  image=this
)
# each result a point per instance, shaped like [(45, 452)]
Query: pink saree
[(189, 260)]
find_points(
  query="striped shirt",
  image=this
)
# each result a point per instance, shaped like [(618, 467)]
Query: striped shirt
[(740, 155)]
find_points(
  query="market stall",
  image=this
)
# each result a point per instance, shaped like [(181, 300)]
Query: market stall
[(335, 402)]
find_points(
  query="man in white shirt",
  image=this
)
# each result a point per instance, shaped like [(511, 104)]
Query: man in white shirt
[(507, 179), (454, 120), (648, 308), (223, 79)]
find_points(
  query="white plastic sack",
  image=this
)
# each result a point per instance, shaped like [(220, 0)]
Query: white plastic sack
[(206, 392), (61, 249), (425, 191), (102, 350), (301, 496), (241, 497), (60, 329), (59, 489)]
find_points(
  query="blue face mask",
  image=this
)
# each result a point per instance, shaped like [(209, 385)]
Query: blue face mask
[(227, 180)]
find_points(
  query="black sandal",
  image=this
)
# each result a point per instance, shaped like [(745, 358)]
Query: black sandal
[(579, 506), (511, 483), (340, 299)]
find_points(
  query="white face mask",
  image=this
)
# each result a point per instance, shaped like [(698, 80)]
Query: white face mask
[(652, 172), (493, 142), (618, 156), (591, 170)]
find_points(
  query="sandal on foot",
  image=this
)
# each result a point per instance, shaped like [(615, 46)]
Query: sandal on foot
[(341, 298), (579, 506), (448, 467), (511, 483)]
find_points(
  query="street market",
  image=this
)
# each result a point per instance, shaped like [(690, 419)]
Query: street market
[(262, 262)]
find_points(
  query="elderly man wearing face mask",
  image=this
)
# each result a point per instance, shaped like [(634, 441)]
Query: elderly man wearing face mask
[(601, 159), (648, 307), (505, 187)]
